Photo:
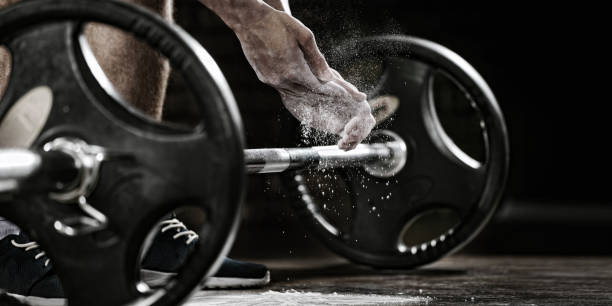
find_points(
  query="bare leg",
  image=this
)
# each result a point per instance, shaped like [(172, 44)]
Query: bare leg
[(138, 73), (5, 67), (4, 56)]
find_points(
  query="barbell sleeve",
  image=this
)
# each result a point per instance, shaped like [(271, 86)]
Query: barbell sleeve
[(322, 157), (55, 170), (34, 171)]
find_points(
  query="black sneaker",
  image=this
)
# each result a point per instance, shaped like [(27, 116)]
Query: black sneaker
[(171, 247), (238, 274), (26, 272)]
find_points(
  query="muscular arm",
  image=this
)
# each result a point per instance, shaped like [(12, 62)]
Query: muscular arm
[(284, 55), (281, 50)]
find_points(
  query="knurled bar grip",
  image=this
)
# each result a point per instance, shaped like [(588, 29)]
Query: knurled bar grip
[(22, 169), (279, 160)]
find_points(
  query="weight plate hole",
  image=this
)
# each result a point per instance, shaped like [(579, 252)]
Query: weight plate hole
[(329, 192), (25, 119), (176, 105), (427, 227), (461, 125)]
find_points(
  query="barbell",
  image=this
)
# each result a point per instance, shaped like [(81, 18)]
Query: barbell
[(100, 176), (383, 158)]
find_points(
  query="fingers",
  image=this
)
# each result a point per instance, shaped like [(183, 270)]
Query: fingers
[(317, 63), (333, 89), (336, 73), (355, 131), (351, 89), (321, 69), (339, 87), (312, 54), (302, 75), (301, 81)]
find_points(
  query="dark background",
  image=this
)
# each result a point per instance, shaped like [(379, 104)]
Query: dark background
[(547, 65)]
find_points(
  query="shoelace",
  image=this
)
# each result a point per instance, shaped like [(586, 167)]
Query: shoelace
[(182, 230), (167, 225), (31, 246)]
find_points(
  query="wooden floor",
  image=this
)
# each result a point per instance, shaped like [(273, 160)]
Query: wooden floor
[(456, 280), (460, 279)]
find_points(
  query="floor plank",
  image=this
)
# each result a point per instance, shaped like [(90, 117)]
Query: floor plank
[(475, 280)]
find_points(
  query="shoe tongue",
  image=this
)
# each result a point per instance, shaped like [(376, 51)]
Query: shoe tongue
[(175, 231)]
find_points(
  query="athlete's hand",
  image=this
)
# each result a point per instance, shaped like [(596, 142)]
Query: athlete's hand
[(284, 54)]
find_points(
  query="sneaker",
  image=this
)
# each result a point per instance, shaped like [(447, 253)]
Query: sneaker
[(26, 272), (238, 274), (171, 247)]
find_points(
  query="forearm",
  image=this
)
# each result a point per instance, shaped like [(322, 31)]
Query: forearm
[(236, 13)]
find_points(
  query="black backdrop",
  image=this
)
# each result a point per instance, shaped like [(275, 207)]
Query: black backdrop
[(547, 65), (544, 64)]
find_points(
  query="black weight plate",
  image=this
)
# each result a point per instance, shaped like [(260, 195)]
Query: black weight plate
[(168, 166), (446, 193)]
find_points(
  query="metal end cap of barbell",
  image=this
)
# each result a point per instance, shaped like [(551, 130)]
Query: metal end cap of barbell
[(390, 166)]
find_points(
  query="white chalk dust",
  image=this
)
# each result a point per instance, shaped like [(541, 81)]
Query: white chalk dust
[(294, 297)]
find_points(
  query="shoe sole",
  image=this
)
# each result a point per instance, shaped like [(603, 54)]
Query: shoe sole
[(234, 282), (38, 301), (156, 278)]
